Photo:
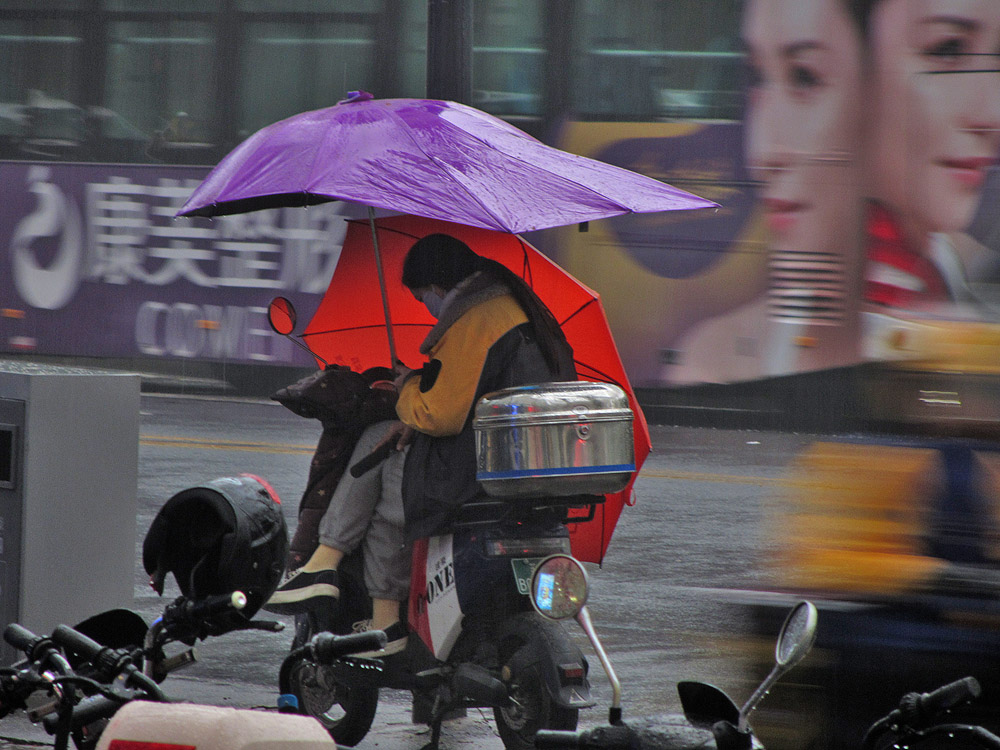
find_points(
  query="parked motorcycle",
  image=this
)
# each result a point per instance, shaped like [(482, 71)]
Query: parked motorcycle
[(711, 718), (224, 542), (78, 688), (930, 720), (474, 638)]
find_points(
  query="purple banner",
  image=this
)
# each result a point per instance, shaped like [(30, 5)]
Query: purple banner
[(93, 263)]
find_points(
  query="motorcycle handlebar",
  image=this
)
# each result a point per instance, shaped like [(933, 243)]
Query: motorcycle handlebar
[(21, 638), (916, 708), (193, 610), (108, 661), (85, 712), (948, 696), (77, 642), (327, 647)]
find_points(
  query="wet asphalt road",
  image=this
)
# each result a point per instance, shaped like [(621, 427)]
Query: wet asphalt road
[(663, 602)]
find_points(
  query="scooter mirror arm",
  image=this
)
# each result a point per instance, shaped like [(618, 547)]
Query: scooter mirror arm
[(615, 713), (728, 737), (758, 694), (299, 344)]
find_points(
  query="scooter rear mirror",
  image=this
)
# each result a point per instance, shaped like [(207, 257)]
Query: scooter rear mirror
[(559, 587), (559, 590), (281, 315)]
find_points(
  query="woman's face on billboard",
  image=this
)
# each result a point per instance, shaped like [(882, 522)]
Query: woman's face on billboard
[(936, 104), (804, 118)]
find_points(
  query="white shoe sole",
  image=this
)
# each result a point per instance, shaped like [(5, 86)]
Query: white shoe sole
[(297, 599)]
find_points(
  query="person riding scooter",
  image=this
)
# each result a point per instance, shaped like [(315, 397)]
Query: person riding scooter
[(492, 332)]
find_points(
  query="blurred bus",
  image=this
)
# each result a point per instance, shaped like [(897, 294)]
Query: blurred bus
[(112, 110)]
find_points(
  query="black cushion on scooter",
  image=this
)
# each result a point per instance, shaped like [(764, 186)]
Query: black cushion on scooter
[(340, 397), (226, 535)]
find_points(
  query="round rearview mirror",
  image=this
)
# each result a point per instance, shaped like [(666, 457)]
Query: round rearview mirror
[(281, 315), (797, 635), (559, 587)]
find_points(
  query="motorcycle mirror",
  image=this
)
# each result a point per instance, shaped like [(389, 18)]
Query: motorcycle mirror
[(797, 636), (559, 590), (795, 639), (559, 587), (281, 315)]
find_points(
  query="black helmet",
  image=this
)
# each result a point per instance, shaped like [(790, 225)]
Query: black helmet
[(226, 535)]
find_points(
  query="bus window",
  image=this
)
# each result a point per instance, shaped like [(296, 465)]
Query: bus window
[(159, 79), (508, 57), (648, 60), (38, 87), (291, 67)]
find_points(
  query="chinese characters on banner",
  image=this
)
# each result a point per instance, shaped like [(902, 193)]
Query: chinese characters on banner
[(95, 264)]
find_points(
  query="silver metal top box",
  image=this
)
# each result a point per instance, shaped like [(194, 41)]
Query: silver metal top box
[(554, 439)]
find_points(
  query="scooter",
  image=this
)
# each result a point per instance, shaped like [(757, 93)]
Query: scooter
[(711, 718), (474, 638)]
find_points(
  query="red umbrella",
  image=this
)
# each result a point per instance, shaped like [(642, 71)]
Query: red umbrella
[(349, 326)]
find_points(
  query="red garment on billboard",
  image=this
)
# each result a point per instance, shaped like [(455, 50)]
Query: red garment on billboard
[(896, 275)]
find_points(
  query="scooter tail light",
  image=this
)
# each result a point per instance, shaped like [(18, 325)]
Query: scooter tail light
[(532, 547), (572, 673), (117, 744)]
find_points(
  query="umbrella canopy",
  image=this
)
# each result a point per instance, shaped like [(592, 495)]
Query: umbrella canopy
[(348, 327), (425, 157)]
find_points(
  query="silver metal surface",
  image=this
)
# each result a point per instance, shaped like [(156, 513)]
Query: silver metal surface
[(554, 439)]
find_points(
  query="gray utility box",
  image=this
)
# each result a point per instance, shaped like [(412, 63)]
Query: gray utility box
[(69, 457)]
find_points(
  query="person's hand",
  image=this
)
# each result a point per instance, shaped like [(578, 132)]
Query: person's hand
[(399, 432), (403, 373)]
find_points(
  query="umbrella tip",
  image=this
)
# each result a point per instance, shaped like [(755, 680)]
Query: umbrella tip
[(356, 96)]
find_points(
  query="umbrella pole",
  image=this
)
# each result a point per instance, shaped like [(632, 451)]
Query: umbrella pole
[(381, 284)]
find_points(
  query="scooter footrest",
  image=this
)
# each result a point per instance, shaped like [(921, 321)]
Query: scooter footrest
[(428, 678), (479, 685)]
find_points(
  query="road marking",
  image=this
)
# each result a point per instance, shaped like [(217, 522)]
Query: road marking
[(171, 441)]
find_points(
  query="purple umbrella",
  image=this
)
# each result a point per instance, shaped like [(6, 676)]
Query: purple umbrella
[(430, 158)]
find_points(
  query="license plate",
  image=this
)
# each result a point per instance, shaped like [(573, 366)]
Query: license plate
[(524, 567)]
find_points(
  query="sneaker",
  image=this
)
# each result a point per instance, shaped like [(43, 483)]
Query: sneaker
[(304, 592), (396, 638)]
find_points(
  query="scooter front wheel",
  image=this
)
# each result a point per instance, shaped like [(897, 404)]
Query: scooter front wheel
[(345, 712)]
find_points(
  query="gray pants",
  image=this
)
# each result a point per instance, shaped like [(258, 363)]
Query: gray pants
[(368, 510)]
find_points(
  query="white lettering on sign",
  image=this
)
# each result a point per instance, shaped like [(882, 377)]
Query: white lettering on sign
[(55, 222), (135, 237), (187, 330), (127, 233)]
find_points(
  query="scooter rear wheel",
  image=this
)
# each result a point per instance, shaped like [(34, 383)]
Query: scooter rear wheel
[(345, 712), (533, 709)]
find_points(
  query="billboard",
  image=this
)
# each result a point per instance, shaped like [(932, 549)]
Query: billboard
[(96, 265), (860, 202)]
